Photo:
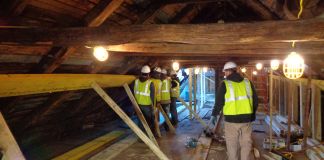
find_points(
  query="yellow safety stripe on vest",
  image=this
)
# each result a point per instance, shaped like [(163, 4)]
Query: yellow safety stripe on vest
[(146, 92), (159, 87), (167, 88), (231, 89)]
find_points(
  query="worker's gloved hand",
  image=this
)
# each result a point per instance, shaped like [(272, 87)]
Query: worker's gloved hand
[(213, 120)]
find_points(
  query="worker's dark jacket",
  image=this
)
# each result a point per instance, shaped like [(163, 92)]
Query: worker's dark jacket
[(220, 101)]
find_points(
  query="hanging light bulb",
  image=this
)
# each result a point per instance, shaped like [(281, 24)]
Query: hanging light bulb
[(255, 72), (175, 66), (197, 70), (205, 69), (293, 66), (274, 64), (100, 53), (243, 70), (259, 66)]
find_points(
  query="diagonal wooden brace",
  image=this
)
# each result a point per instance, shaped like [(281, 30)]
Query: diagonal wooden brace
[(129, 122), (139, 113)]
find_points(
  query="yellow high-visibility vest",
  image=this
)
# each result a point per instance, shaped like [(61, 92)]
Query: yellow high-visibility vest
[(142, 92), (157, 86), (175, 92), (165, 92), (238, 98)]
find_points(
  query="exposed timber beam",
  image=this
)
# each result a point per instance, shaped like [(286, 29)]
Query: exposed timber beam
[(24, 84), (264, 12), (17, 7), (182, 13), (101, 12), (307, 48), (230, 33), (150, 11), (58, 54), (94, 18), (189, 1)]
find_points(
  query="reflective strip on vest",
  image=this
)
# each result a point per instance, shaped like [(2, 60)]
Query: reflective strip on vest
[(175, 91), (238, 101), (146, 92), (165, 93), (157, 85), (233, 98), (142, 92), (166, 86)]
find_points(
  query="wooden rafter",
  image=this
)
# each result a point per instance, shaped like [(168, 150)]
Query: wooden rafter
[(264, 12), (230, 33), (17, 7), (95, 18), (183, 12), (156, 49)]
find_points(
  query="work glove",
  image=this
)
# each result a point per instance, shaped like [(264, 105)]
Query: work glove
[(213, 120)]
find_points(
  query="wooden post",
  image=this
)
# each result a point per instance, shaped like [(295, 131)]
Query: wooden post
[(166, 118), (192, 112), (195, 92), (290, 107), (139, 113), (312, 110), (301, 106), (128, 121), (8, 144), (190, 91), (271, 106), (157, 119), (306, 114)]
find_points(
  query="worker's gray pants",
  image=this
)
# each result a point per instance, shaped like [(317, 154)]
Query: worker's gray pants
[(149, 117), (173, 111), (238, 140), (166, 108)]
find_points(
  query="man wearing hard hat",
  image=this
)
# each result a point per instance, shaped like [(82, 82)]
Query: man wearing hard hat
[(144, 95), (165, 94), (237, 98), (156, 75), (175, 93)]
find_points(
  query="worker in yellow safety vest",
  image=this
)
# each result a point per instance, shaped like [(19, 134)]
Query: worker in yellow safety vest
[(156, 75), (165, 94), (175, 93), (144, 94), (237, 98)]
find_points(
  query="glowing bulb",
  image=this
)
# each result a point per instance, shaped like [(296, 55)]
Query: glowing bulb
[(197, 70), (255, 72), (293, 66), (243, 70), (175, 66), (205, 69), (100, 53), (259, 66), (274, 64)]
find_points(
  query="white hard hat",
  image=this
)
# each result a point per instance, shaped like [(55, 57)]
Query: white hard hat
[(157, 69), (164, 71), (229, 65), (173, 72), (146, 69)]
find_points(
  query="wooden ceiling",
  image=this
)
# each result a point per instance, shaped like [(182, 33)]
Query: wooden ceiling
[(54, 36), (57, 16)]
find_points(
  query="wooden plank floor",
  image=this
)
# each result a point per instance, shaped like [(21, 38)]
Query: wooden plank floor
[(174, 145)]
